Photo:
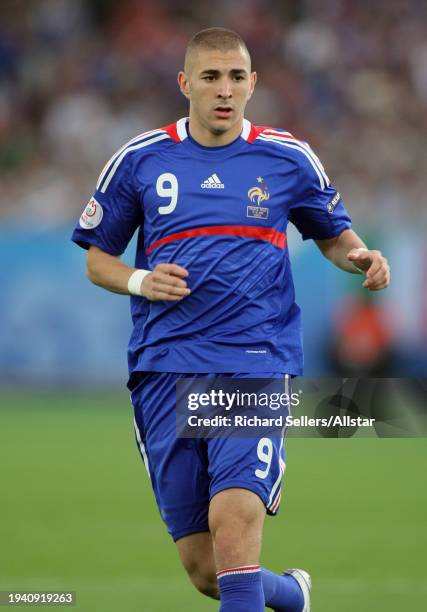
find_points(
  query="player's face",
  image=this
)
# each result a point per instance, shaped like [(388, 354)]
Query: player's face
[(218, 85)]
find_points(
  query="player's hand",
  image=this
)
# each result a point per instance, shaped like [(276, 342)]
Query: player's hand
[(165, 282), (374, 265)]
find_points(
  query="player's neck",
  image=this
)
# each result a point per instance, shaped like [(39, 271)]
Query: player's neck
[(206, 138)]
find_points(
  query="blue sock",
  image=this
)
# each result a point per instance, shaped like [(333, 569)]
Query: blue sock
[(282, 593), (241, 589)]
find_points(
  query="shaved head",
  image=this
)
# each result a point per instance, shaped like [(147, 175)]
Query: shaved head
[(219, 39), (218, 82)]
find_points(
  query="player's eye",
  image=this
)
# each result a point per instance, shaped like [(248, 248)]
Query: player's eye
[(209, 78)]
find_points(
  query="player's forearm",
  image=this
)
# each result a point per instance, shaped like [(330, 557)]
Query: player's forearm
[(166, 282), (336, 249), (107, 271)]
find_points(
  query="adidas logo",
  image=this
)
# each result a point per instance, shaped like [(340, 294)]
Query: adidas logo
[(213, 182)]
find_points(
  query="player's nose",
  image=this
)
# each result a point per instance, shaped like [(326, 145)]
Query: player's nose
[(225, 89)]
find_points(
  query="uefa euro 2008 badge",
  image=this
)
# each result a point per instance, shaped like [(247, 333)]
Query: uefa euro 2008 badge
[(258, 194), (92, 215)]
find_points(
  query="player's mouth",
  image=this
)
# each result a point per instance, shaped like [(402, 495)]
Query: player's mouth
[(223, 112)]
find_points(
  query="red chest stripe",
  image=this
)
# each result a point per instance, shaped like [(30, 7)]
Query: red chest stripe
[(276, 238)]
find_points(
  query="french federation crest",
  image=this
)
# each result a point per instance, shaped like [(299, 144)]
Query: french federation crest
[(258, 194)]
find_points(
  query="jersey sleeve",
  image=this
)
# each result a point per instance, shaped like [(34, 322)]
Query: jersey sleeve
[(113, 213), (318, 211)]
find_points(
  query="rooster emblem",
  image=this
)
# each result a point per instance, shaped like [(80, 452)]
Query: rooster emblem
[(259, 194)]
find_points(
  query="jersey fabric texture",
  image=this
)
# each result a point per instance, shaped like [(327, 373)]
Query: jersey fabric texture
[(186, 473), (221, 213)]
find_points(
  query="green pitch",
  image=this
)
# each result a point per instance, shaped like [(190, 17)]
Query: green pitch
[(77, 513)]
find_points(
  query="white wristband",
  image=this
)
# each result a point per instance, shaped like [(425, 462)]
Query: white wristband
[(135, 280)]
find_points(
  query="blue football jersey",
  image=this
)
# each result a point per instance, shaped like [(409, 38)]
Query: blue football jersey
[(221, 213)]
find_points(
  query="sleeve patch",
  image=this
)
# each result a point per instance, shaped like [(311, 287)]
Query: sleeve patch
[(92, 215), (331, 206)]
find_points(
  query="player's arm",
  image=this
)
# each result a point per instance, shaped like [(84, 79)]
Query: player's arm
[(166, 282), (348, 252)]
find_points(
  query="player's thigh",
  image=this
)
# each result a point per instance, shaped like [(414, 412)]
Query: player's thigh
[(236, 508), (177, 467), (236, 519)]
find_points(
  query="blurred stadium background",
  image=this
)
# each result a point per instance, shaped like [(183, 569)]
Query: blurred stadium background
[(77, 79)]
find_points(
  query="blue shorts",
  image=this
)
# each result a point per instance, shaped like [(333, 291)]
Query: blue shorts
[(186, 473)]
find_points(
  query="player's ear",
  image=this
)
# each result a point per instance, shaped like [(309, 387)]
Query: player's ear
[(184, 84), (253, 77)]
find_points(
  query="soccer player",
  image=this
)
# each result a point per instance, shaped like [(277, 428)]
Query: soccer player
[(212, 295)]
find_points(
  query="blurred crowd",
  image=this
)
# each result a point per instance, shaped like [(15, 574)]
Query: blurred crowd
[(78, 78)]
